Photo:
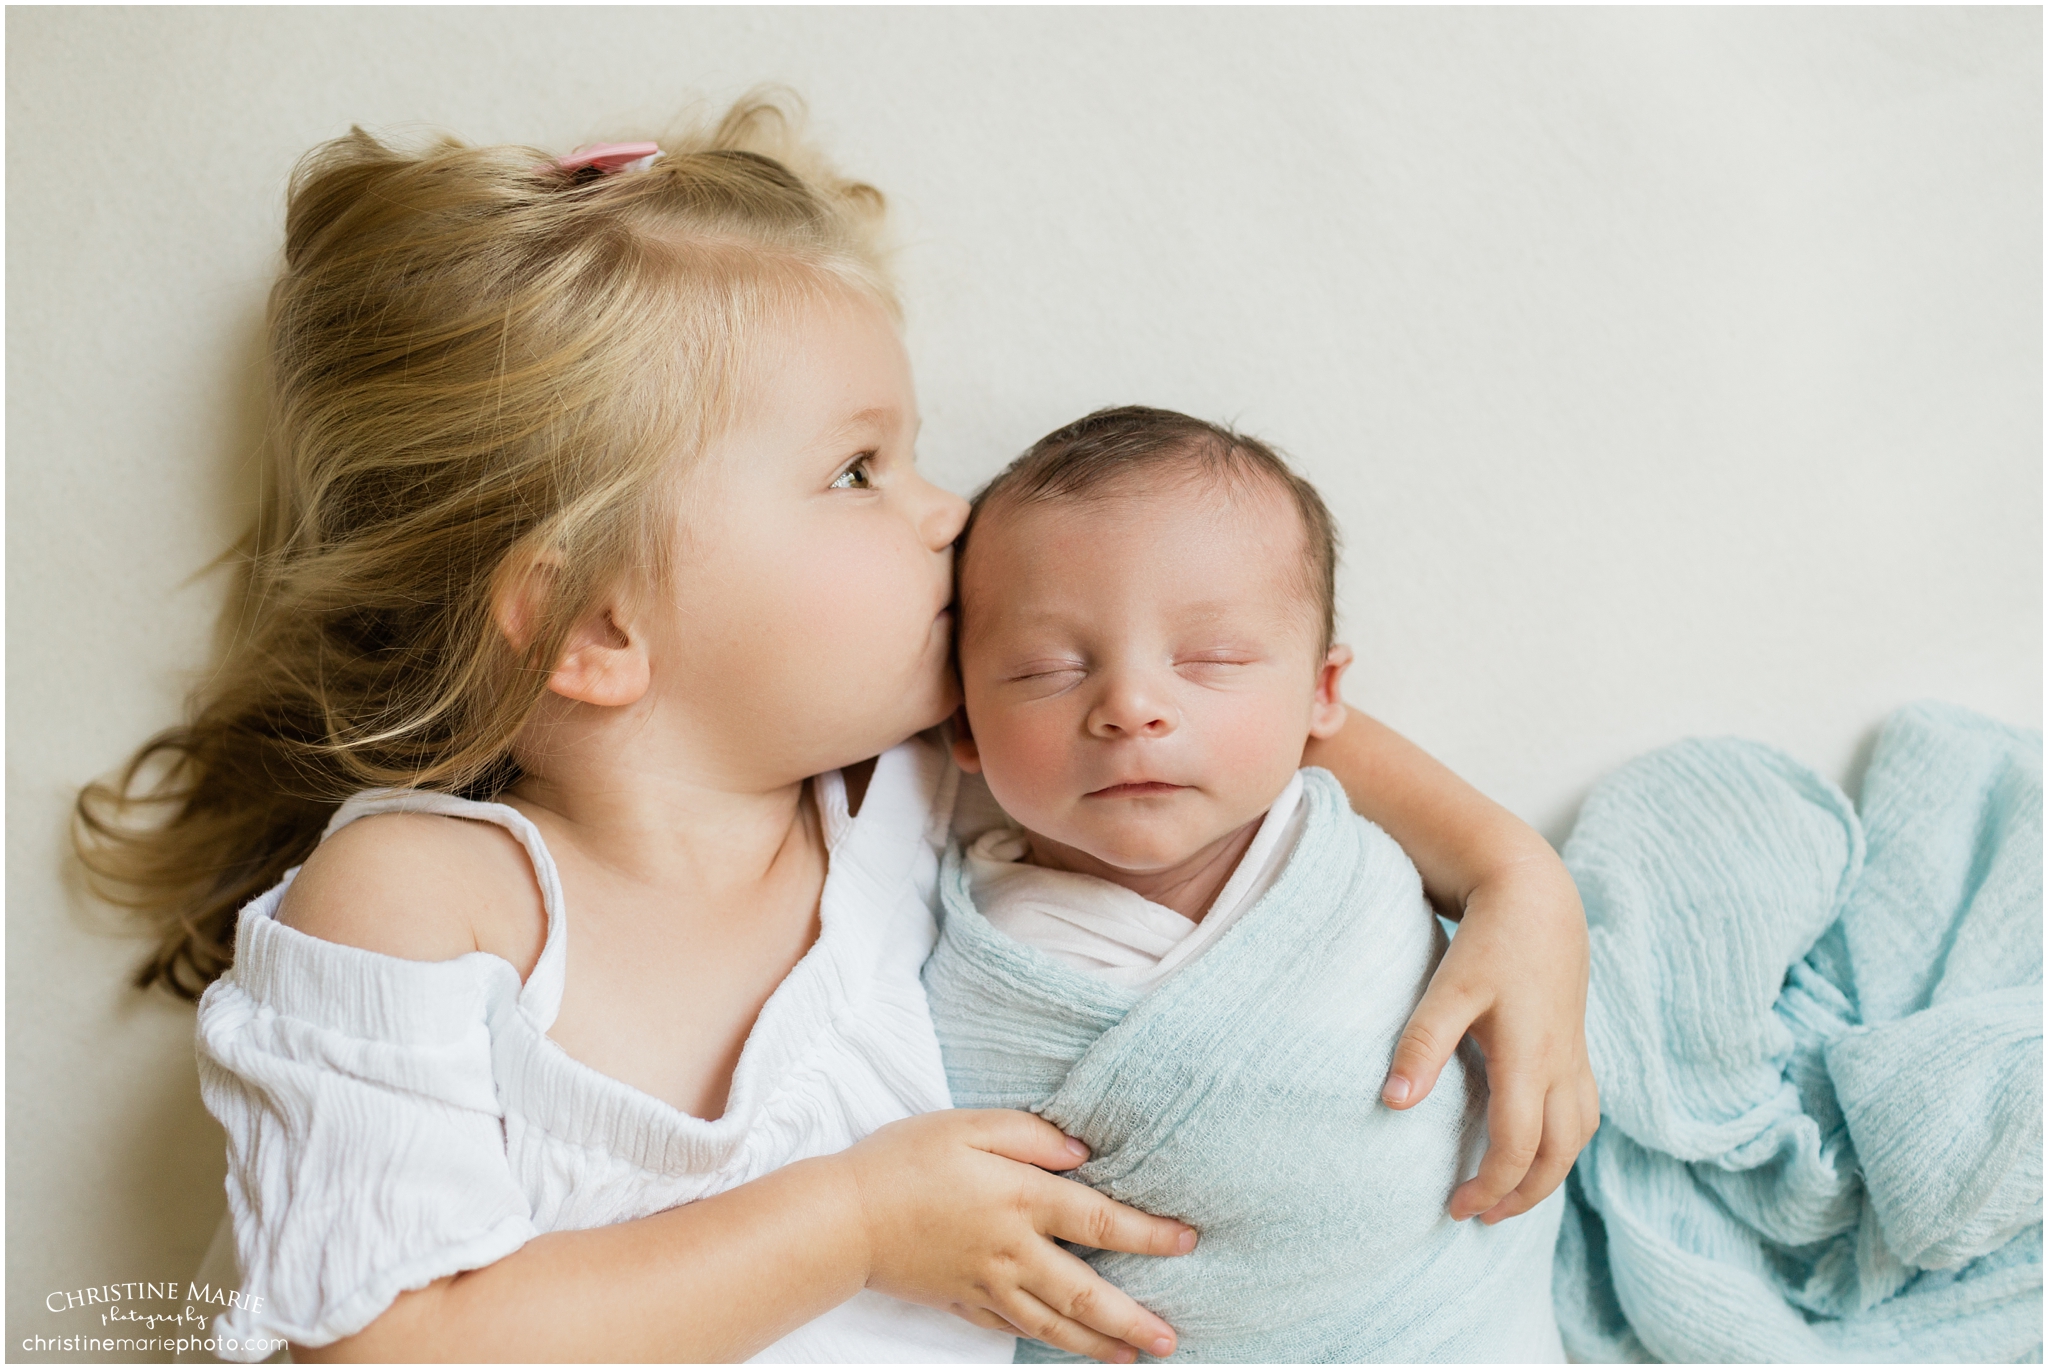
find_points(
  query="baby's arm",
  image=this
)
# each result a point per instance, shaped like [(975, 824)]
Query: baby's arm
[(1514, 977), (953, 1209)]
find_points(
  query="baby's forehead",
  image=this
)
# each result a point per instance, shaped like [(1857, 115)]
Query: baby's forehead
[(1217, 531), (1189, 495)]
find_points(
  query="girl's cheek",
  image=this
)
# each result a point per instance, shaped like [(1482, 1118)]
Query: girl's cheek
[(849, 593)]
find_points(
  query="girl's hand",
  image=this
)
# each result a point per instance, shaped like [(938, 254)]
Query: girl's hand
[(959, 1213), (1515, 978)]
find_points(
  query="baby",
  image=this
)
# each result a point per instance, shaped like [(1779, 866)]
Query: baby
[(1188, 951)]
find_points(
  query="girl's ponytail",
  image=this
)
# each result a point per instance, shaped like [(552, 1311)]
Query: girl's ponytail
[(472, 353)]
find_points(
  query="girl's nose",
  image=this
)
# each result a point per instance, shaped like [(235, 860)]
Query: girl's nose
[(1128, 708), (944, 515)]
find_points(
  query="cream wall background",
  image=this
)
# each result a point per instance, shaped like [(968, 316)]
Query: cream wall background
[(1671, 372)]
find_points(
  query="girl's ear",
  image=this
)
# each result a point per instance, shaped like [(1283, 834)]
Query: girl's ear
[(966, 754), (1327, 716), (603, 662), (519, 594)]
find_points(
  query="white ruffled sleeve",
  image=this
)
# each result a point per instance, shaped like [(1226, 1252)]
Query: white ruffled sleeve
[(366, 1142)]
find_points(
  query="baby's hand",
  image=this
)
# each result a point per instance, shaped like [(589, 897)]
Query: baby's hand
[(1515, 978), (959, 1210)]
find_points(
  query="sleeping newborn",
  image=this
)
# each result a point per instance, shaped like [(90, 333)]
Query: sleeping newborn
[(1187, 951)]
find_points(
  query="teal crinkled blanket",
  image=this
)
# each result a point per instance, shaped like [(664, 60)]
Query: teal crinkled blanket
[(1242, 1095), (1818, 1041)]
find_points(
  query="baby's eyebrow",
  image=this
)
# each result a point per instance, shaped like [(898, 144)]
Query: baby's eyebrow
[(1210, 610)]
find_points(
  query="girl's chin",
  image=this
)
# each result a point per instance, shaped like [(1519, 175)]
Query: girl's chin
[(940, 693), (924, 695), (911, 720), (933, 716)]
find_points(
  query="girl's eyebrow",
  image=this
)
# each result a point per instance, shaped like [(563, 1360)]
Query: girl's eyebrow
[(883, 419)]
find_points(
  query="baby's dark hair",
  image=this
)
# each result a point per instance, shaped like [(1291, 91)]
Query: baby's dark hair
[(1086, 457)]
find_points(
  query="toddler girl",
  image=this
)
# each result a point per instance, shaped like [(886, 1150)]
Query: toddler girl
[(595, 572)]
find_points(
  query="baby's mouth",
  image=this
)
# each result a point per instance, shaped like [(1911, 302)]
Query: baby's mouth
[(1136, 789)]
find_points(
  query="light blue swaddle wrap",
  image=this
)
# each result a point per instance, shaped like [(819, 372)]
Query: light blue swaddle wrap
[(1242, 1096), (1818, 1043)]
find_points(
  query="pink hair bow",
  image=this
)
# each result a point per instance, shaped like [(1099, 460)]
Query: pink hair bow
[(611, 157)]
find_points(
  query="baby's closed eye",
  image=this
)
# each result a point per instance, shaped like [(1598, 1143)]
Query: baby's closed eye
[(1226, 672), (1034, 678), (1216, 662)]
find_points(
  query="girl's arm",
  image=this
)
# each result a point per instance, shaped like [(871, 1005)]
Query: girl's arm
[(1514, 977), (952, 1209), (934, 1209)]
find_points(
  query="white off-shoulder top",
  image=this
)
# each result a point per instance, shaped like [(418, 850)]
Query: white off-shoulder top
[(393, 1121)]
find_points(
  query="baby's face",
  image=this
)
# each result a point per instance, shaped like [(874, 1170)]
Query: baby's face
[(1142, 669)]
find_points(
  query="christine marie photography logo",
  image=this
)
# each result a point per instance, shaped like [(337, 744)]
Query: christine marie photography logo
[(151, 1309)]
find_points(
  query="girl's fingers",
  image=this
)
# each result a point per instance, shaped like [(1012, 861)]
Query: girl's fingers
[(1033, 1318), (1514, 1125), (1562, 1139), (1434, 1029), (1066, 1285), (1022, 1136), (986, 1317), (1077, 1213)]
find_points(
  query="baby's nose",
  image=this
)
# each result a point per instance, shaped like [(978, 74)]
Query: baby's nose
[(1128, 709)]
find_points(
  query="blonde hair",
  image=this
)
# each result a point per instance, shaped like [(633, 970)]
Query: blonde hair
[(473, 354)]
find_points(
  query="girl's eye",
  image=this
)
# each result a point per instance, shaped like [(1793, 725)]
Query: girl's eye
[(857, 476)]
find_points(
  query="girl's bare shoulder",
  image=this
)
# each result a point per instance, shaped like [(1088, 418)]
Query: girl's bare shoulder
[(420, 886)]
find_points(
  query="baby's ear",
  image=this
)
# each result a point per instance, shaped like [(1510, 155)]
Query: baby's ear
[(966, 754), (1327, 716)]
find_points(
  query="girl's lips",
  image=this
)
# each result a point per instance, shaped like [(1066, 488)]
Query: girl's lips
[(1131, 791)]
